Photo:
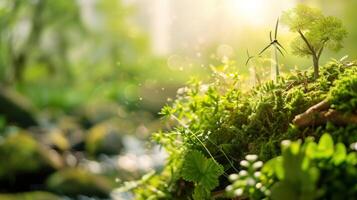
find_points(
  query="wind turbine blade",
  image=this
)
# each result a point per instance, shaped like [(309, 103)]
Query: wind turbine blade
[(276, 28), (271, 39), (246, 63), (277, 47), (265, 48), (281, 46)]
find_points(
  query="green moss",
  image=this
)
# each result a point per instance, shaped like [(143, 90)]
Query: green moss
[(25, 162), (15, 150), (225, 122), (103, 139), (343, 95), (76, 181), (30, 196), (23, 155)]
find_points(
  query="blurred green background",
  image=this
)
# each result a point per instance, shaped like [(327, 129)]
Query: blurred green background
[(82, 81)]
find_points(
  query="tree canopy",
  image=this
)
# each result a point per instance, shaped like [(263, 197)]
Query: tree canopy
[(316, 32)]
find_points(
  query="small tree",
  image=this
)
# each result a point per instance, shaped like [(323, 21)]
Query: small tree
[(316, 32)]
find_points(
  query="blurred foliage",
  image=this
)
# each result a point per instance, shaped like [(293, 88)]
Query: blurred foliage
[(311, 170), (62, 62), (26, 27)]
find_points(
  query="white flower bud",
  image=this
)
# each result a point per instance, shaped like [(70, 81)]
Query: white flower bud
[(251, 157), (258, 185), (263, 189), (238, 192), (285, 143), (353, 146), (250, 182), (257, 174), (244, 163), (243, 173), (229, 188), (233, 177), (258, 165), (267, 192)]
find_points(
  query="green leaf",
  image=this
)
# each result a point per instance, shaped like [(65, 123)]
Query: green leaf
[(352, 158), (325, 146), (201, 170), (292, 161), (340, 154), (311, 150), (274, 167), (308, 180), (283, 190), (200, 193)]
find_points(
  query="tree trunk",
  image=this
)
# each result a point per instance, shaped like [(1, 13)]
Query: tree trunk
[(18, 63), (315, 60)]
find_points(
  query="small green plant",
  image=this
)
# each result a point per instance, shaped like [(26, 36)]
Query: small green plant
[(203, 172), (316, 33), (314, 171), (247, 183), (306, 171)]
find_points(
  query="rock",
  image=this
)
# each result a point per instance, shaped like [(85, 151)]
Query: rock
[(27, 163), (56, 139), (76, 181), (103, 139), (16, 109), (30, 196)]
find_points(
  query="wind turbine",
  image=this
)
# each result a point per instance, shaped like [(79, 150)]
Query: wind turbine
[(249, 57), (277, 47), (252, 70)]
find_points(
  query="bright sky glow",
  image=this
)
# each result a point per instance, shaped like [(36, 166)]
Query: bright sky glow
[(251, 11)]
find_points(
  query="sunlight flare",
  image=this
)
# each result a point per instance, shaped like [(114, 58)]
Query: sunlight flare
[(252, 11)]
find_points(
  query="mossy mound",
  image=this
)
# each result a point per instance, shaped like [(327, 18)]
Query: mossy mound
[(30, 196), (103, 138), (16, 109), (224, 122), (343, 95), (75, 181), (27, 163)]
